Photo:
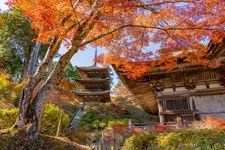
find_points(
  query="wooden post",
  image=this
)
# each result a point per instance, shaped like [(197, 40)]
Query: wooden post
[(179, 121), (161, 119), (160, 108), (129, 124), (102, 141), (59, 124), (114, 139)]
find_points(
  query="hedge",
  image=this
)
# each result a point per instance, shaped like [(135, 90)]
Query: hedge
[(204, 139)]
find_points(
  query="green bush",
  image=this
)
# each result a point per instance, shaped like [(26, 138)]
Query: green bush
[(143, 141), (7, 117), (138, 115), (7, 91), (118, 122), (50, 119), (205, 139), (101, 116)]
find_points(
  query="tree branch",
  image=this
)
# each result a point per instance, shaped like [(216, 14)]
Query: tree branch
[(166, 2), (142, 26)]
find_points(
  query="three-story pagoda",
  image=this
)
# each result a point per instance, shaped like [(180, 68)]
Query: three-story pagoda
[(93, 86)]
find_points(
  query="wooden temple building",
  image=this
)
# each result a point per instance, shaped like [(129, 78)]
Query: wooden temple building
[(186, 93), (93, 86)]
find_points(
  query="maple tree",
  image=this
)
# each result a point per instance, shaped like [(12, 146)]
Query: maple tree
[(120, 90), (124, 28)]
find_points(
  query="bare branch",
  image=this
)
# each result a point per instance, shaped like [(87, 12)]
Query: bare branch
[(170, 36), (166, 2), (145, 27), (142, 38), (76, 3)]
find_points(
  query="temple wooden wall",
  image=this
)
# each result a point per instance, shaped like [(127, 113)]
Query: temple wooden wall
[(211, 105)]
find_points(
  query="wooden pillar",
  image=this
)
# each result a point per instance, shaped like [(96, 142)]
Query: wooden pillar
[(179, 121), (162, 119), (161, 116)]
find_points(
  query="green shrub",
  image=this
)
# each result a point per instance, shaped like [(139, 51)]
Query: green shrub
[(143, 141), (205, 139), (7, 91), (50, 119), (7, 117), (100, 116), (138, 115), (118, 122)]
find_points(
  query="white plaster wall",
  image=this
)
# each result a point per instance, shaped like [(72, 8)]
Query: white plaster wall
[(168, 90), (215, 85), (213, 105), (181, 89), (200, 87), (220, 115)]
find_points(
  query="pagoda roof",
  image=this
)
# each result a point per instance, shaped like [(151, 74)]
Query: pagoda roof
[(92, 80), (97, 93), (92, 68)]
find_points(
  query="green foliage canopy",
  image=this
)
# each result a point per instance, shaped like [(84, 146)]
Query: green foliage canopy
[(16, 37)]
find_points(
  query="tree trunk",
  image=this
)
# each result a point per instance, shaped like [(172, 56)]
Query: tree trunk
[(31, 104), (30, 107), (31, 60), (30, 64), (34, 58), (24, 73), (29, 90), (33, 113)]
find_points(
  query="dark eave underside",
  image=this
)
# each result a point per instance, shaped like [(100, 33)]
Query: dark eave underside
[(93, 93), (92, 80), (92, 69)]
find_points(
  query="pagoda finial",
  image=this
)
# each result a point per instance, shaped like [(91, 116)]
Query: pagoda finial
[(96, 54)]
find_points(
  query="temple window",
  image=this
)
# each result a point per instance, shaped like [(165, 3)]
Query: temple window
[(180, 104)]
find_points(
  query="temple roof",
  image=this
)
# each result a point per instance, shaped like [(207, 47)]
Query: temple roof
[(216, 50), (98, 93), (184, 67), (92, 68), (93, 72), (92, 81), (144, 93)]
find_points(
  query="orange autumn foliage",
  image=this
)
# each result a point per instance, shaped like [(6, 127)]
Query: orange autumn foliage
[(63, 93), (214, 121), (126, 28)]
